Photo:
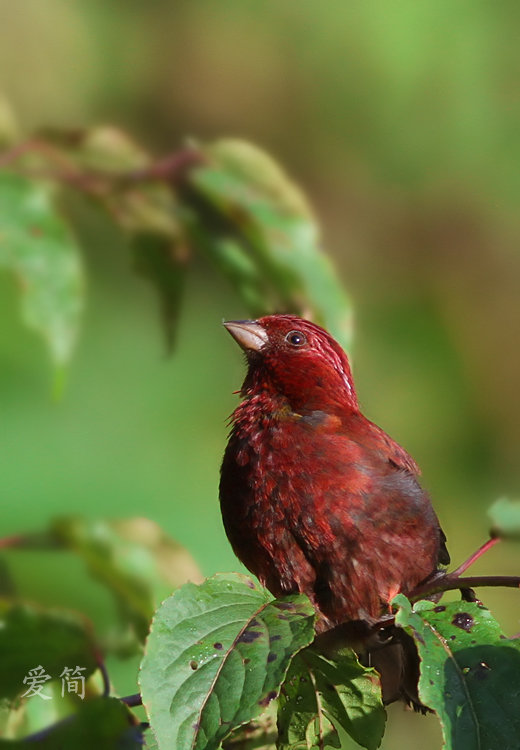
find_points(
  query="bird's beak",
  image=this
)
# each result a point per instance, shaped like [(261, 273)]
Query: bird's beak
[(248, 334)]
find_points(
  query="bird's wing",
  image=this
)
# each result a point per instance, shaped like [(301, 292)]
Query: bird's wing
[(374, 438)]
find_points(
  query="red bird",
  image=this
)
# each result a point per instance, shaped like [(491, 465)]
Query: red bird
[(316, 498)]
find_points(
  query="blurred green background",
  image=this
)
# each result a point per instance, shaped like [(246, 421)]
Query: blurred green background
[(401, 122)]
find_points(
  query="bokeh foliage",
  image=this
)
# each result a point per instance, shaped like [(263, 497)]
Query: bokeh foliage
[(400, 119)]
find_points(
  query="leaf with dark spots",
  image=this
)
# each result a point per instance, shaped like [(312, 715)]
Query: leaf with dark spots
[(462, 620), (440, 608), (285, 605), (321, 695), (228, 631), (268, 698), (249, 636), (470, 675)]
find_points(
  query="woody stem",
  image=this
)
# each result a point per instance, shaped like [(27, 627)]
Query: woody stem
[(452, 583)]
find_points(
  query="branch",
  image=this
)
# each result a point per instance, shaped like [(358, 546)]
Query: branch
[(132, 700), (452, 583), (38, 540), (96, 182)]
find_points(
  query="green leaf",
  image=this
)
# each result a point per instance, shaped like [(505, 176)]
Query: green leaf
[(101, 723), (470, 673), (38, 247), (31, 638), (260, 734), (505, 518), (256, 224), (320, 695), (113, 169), (134, 558), (104, 149), (157, 259), (216, 656), (110, 167)]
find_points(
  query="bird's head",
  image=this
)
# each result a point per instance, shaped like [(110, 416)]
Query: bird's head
[(297, 360)]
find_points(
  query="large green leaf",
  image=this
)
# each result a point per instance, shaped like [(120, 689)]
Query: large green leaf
[(134, 558), (505, 518), (216, 656), (321, 695), (38, 247), (470, 673), (256, 224), (100, 723), (44, 640)]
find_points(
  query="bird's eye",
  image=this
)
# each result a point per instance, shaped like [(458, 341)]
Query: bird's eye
[(296, 338)]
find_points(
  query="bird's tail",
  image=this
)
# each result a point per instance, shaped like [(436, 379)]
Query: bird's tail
[(393, 653), (390, 650)]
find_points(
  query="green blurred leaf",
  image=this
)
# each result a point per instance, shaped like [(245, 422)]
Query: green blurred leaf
[(101, 723), (103, 149), (470, 673), (320, 695), (505, 518), (30, 715), (32, 638), (109, 166), (156, 259), (114, 170), (257, 226), (38, 247), (216, 656), (134, 558)]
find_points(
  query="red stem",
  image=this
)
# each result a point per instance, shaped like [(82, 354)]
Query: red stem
[(38, 540), (12, 541), (475, 556)]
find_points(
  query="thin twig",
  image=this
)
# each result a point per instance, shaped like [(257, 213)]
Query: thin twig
[(170, 168), (12, 541), (104, 674), (38, 540), (475, 556), (132, 700)]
